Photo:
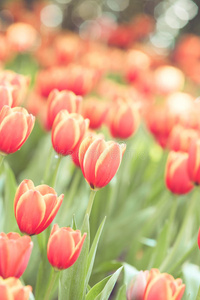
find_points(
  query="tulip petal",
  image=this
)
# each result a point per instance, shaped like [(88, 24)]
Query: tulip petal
[(76, 253), (157, 289), (25, 185), (30, 211)]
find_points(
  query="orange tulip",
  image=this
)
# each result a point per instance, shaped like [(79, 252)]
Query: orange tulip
[(100, 160), (64, 246), (67, 131), (194, 161), (15, 127), (12, 289), (123, 120), (15, 252), (95, 111), (58, 101), (35, 207), (153, 285), (162, 286), (176, 175)]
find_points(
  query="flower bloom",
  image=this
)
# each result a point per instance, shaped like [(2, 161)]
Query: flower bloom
[(67, 131), (95, 111), (64, 246), (15, 127), (176, 175), (100, 160), (194, 161), (58, 101), (12, 289), (15, 251), (5, 96), (35, 207), (151, 285), (123, 120)]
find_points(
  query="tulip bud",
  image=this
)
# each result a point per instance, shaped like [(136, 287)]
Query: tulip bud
[(35, 207), (194, 162), (15, 127), (12, 289), (64, 246), (5, 96), (15, 252), (176, 175), (123, 120), (100, 160), (137, 286), (58, 101), (67, 131)]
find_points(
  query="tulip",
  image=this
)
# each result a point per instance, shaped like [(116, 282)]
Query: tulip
[(181, 138), (153, 285), (194, 161), (12, 289), (67, 132), (5, 96), (162, 286), (15, 252), (35, 207), (64, 246), (100, 160), (176, 175), (123, 120), (198, 239), (95, 111), (15, 127), (58, 101)]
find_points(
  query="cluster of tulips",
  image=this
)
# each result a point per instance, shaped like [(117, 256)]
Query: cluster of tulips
[(90, 106)]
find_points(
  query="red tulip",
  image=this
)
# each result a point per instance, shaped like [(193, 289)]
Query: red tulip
[(15, 127), (198, 239), (12, 289), (194, 161), (95, 111), (153, 285), (58, 101), (15, 252), (100, 160), (67, 132), (64, 246), (35, 207), (123, 120), (176, 175)]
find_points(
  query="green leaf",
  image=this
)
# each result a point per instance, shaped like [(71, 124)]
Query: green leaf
[(191, 278), (129, 272), (104, 295), (72, 280), (10, 190), (73, 225), (92, 252), (198, 295), (121, 295), (97, 289)]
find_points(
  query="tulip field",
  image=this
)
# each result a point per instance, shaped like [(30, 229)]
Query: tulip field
[(99, 160)]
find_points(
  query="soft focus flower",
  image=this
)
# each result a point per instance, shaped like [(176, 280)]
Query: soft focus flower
[(176, 175), (194, 161), (64, 246), (15, 127), (5, 96), (21, 37), (35, 207), (12, 289), (198, 239), (19, 84), (123, 119), (153, 285), (181, 138), (67, 131), (95, 111), (15, 251), (100, 160), (58, 101)]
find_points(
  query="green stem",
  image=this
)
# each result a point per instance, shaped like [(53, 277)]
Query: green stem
[(54, 177), (73, 190), (1, 159), (47, 168), (40, 240), (90, 203), (176, 245), (51, 284)]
